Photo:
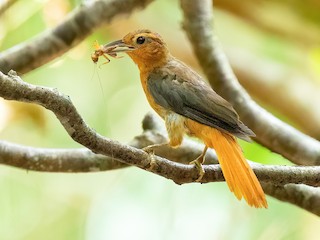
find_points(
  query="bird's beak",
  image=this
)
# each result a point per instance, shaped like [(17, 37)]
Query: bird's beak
[(119, 46)]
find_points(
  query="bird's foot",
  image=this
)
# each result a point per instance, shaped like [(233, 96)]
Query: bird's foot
[(198, 163), (150, 150), (152, 163)]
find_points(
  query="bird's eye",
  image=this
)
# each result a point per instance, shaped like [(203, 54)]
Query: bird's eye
[(140, 40)]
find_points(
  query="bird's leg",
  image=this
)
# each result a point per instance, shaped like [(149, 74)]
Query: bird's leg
[(150, 150), (152, 147), (198, 162)]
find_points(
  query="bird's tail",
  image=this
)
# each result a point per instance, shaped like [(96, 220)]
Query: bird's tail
[(238, 174)]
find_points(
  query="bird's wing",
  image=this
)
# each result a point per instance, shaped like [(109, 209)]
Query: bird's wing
[(197, 101)]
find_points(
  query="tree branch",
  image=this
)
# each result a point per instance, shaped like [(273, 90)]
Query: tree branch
[(55, 160), (84, 160), (274, 178), (79, 24), (300, 195), (4, 5), (266, 82), (271, 132), (13, 88)]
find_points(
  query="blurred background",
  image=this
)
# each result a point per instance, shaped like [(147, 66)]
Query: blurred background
[(273, 47)]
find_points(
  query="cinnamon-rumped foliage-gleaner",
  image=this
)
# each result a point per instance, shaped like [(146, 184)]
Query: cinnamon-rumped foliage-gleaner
[(190, 106)]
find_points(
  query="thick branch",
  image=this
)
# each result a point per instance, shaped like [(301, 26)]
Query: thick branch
[(271, 132), (13, 88), (300, 195), (274, 178), (78, 25), (55, 160), (84, 160)]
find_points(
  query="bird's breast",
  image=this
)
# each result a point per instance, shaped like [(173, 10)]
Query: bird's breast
[(159, 109)]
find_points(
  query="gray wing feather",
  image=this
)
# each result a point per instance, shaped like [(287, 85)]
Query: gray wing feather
[(198, 102)]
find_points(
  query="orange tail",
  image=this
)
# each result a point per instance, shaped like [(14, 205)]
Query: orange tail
[(238, 174), (236, 170)]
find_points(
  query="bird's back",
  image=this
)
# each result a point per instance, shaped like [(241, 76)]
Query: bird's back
[(176, 87)]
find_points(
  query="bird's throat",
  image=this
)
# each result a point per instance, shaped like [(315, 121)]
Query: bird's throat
[(148, 62)]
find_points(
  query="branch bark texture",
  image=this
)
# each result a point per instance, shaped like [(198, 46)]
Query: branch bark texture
[(84, 160), (303, 196), (13, 88)]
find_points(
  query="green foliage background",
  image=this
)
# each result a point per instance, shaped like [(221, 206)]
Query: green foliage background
[(128, 203)]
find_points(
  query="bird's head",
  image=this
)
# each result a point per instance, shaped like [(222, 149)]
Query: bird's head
[(147, 49)]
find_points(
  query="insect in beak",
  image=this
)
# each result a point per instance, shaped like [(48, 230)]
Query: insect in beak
[(110, 49)]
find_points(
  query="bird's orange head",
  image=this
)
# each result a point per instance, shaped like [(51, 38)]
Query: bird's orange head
[(147, 49)]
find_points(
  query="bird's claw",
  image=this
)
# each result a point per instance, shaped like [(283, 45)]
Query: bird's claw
[(152, 163), (150, 150), (197, 163)]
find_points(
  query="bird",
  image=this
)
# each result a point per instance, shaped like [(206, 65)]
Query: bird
[(189, 106)]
